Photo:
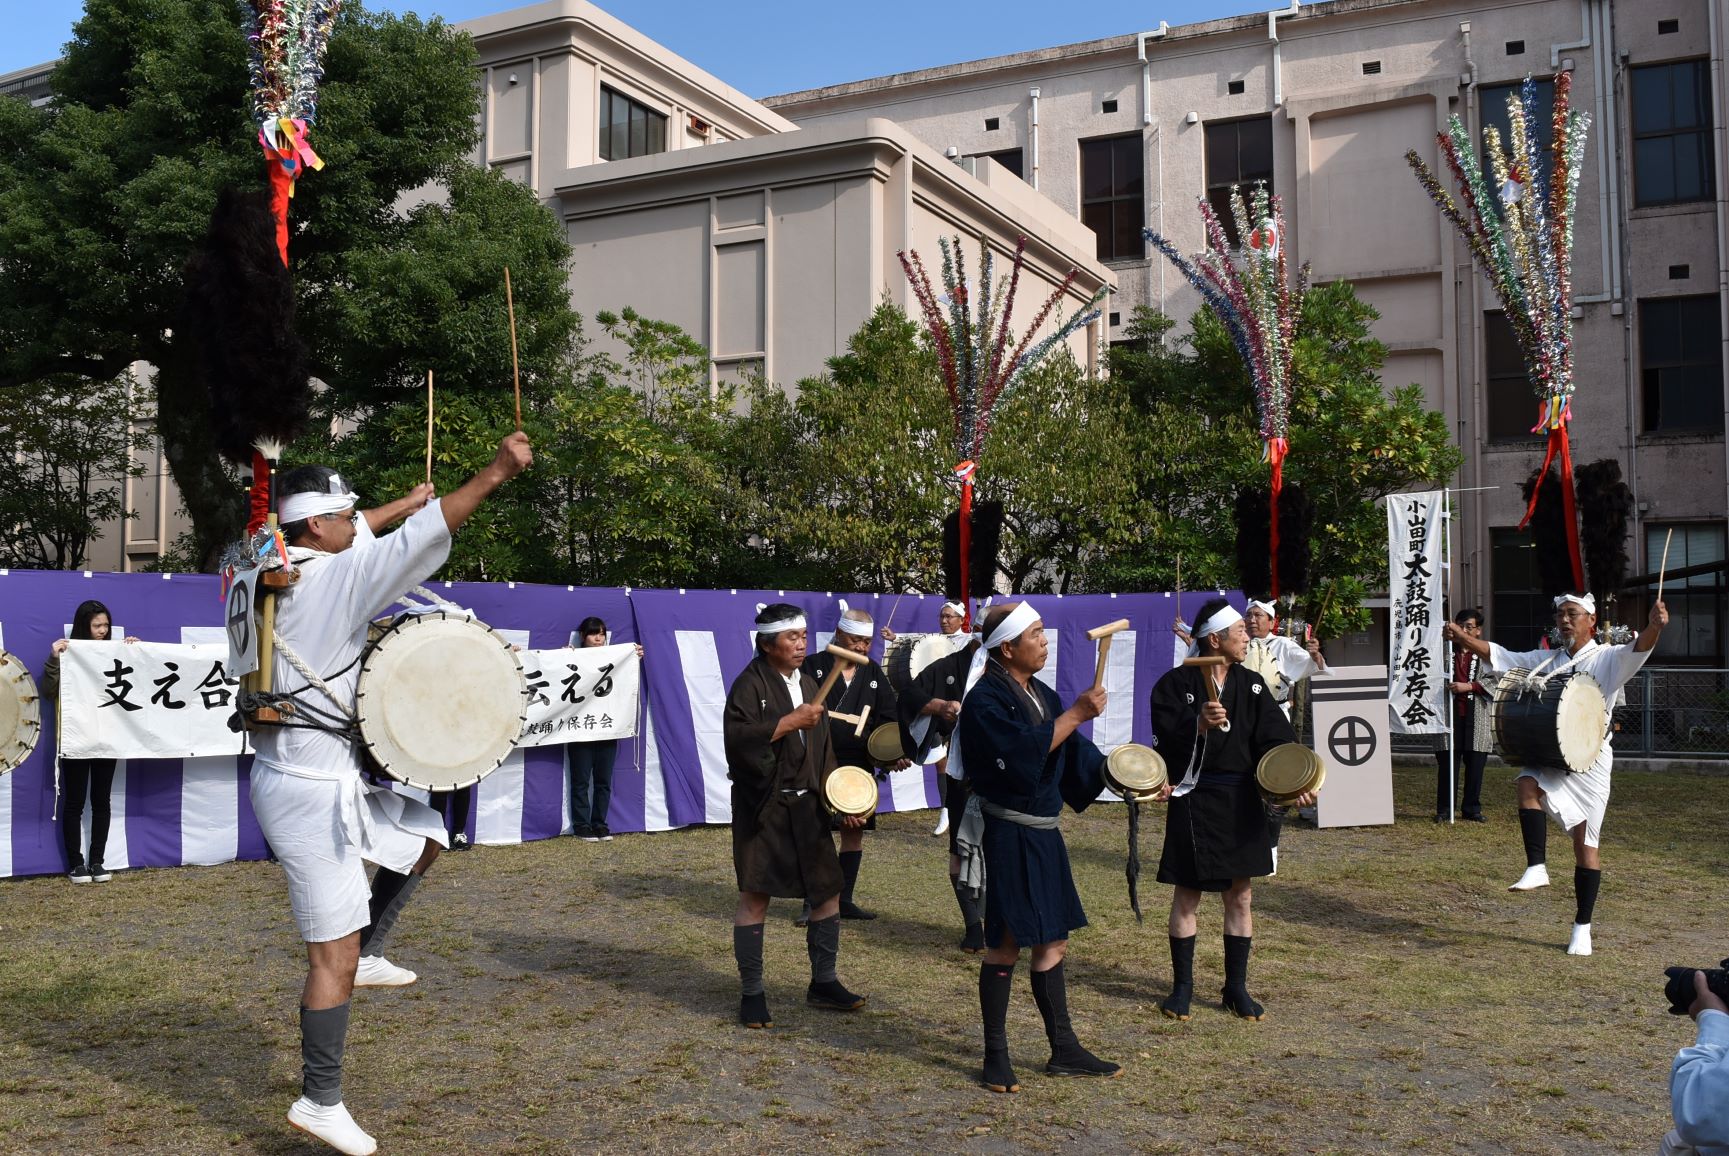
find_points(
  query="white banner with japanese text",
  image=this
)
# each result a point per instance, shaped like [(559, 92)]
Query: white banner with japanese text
[(580, 695), (1416, 660), (145, 700)]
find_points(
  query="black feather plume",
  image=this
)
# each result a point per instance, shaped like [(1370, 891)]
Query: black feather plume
[(1296, 534), (238, 318), (1605, 509), (1254, 562), (987, 544), (952, 556), (1549, 533)]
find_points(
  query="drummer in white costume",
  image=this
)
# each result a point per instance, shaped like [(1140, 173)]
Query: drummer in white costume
[(1579, 800), (320, 818), (1282, 661)]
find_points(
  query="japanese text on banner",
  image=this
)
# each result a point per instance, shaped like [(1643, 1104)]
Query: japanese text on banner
[(146, 700), (1416, 661), (580, 695)]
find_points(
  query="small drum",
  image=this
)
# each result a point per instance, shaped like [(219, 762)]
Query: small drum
[(1135, 772), (850, 791), (20, 712), (441, 700), (884, 745), (1557, 723), (1289, 770)]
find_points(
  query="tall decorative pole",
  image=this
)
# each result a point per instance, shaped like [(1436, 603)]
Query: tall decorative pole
[(979, 357)]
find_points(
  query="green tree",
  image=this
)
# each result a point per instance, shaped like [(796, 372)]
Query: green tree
[(106, 190), (68, 448)]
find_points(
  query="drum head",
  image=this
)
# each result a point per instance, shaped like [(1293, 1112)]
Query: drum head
[(1135, 771), (441, 701), (851, 791), (20, 712), (1289, 770), (1581, 721), (884, 744)]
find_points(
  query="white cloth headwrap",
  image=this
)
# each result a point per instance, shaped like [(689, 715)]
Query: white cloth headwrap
[(856, 627), (1016, 624), (334, 500), (1226, 618), (956, 608), (1585, 601), (783, 625), (1267, 608)]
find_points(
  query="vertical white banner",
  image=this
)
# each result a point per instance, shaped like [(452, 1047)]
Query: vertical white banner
[(1416, 658)]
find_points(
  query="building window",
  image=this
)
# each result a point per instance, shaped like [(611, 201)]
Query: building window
[(1696, 602), (1010, 159), (1518, 612), (1493, 111), (628, 128), (1239, 152), (1672, 134), (1510, 406), (1111, 196), (1681, 364)]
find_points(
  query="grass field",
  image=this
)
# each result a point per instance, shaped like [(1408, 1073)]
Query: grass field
[(580, 997)]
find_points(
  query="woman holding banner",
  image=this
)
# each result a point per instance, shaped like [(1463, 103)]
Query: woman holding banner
[(591, 763), (91, 622)]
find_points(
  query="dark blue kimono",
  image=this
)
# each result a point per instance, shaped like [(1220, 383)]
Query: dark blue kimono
[(1005, 735)]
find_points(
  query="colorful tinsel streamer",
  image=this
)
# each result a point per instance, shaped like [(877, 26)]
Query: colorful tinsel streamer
[(980, 359), (286, 40), (1249, 288), (1520, 233)]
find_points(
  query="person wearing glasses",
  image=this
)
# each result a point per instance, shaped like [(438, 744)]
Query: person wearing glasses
[(321, 820), (1576, 801)]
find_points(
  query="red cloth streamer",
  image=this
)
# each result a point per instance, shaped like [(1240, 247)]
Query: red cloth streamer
[(1560, 447), (966, 535), (258, 496), (1276, 450), (281, 189)]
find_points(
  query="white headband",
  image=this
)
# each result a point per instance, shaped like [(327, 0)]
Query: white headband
[(299, 507), (1585, 601), (955, 608), (778, 627), (1267, 608), (1226, 618), (1013, 626), (854, 627)]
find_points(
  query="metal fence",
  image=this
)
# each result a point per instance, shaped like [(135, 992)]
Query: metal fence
[(1671, 712)]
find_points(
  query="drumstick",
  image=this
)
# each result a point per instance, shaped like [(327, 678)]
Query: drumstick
[(1664, 569), (1102, 635), (429, 427), (1207, 677), (890, 623), (515, 372), (834, 671)]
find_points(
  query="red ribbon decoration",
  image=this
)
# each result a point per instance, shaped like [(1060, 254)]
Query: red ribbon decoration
[(1555, 417), (1277, 448), (966, 471)]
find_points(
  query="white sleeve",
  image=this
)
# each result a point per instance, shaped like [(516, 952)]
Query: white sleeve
[(1295, 662), (1501, 659), (1699, 1085), (365, 579), (1622, 663)]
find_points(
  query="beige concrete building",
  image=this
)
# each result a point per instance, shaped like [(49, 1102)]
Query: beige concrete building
[(1322, 101)]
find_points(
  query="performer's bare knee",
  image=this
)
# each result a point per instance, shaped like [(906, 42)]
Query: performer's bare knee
[(1530, 794), (1048, 955), (1009, 952), (427, 856), (752, 908)]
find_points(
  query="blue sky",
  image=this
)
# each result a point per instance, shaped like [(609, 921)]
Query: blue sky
[(765, 46)]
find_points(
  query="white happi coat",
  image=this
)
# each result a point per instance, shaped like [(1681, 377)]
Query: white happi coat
[(1283, 662), (1581, 797), (320, 818)]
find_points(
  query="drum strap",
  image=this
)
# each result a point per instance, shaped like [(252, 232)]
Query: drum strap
[(312, 679)]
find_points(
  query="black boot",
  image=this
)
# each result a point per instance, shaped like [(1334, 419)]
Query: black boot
[(391, 891), (849, 865), (995, 982), (1235, 994), (974, 941), (1176, 1005), (323, 1039), (1534, 830), (1068, 1058), (747, 950), (822, 942)]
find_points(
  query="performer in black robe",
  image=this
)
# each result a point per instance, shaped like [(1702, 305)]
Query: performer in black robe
[(934, 697), (777, 756), (860, 685), (1019, 751), (1217, 835)]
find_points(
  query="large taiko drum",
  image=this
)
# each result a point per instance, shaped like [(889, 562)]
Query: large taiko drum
[(20, 712), (441, 700), (907, 656), (1556, 723)]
